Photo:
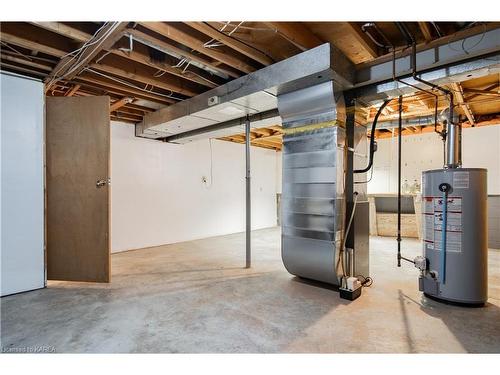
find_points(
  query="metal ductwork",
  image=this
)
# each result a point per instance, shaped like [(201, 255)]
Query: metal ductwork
[(224, 108), (313, 201)]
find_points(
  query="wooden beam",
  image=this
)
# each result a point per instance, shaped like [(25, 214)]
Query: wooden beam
[(161, 45), (233, 43), (115, 118), (17, 68), (426, 31), (107, 37), (65, 30), (169, 86), (123, 89), (296, 33), (22, 61), (29, 44), (126, 117), (179, 36), (140, 107), (459, 95), (72, 91), (363, 39), (146, 60), (486, 91), (119, 103)]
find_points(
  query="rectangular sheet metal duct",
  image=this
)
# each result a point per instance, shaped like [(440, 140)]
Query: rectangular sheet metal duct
[(249, 95)]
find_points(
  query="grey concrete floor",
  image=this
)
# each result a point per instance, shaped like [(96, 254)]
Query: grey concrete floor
[(196, 297)]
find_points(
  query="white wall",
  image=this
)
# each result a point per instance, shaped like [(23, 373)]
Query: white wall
[(481, 149), (158, 197), (22, 194)]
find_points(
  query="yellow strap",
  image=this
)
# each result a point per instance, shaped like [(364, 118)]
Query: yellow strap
[(309, 127)]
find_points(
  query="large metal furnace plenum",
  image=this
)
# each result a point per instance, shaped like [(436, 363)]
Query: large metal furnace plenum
[(465, 276), (313, 196)]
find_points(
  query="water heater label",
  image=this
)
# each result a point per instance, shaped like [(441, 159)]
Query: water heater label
[(432, 208), (453, 241), (454, 221), (428, 232), (461, 180), (454, 204)]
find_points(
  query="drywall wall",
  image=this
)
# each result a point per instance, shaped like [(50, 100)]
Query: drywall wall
[(158, 197), (425, 151), (22, 194)]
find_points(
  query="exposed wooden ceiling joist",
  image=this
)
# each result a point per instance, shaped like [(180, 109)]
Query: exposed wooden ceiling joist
[(180, 36), (426, 31), (367, 44), (17, 68), (30, 44), (65, 30), (177, 87), (486, 91), (296, 33), (23, 61), (105, 39), (461, 101), (119, 103), (123, 89), (233, 43), (179, 72), (73, 90), (148, 39)]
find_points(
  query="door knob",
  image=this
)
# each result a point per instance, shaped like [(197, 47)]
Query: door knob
[(101, 183)]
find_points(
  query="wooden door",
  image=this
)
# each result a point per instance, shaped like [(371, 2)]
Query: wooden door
[(78, 192)]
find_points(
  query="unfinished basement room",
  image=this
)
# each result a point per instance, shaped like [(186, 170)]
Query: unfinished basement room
[(297, 186)]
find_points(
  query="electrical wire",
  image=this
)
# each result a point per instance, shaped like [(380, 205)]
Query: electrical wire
[(86, 44), (241, 41), (348, 228), (462, 45), (211, 165), (79, 52), (16, 51), (132, 85), (367, 281), (247, 27)]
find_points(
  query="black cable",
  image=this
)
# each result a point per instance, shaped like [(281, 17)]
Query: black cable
[(366, 282), (372, 139)]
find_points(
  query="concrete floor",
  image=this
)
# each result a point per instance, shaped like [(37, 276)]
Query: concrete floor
[(195, 297)]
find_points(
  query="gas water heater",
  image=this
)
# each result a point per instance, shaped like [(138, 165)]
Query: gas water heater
[(454, 265)]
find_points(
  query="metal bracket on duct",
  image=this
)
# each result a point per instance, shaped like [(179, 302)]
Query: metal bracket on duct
[(220, 111)]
